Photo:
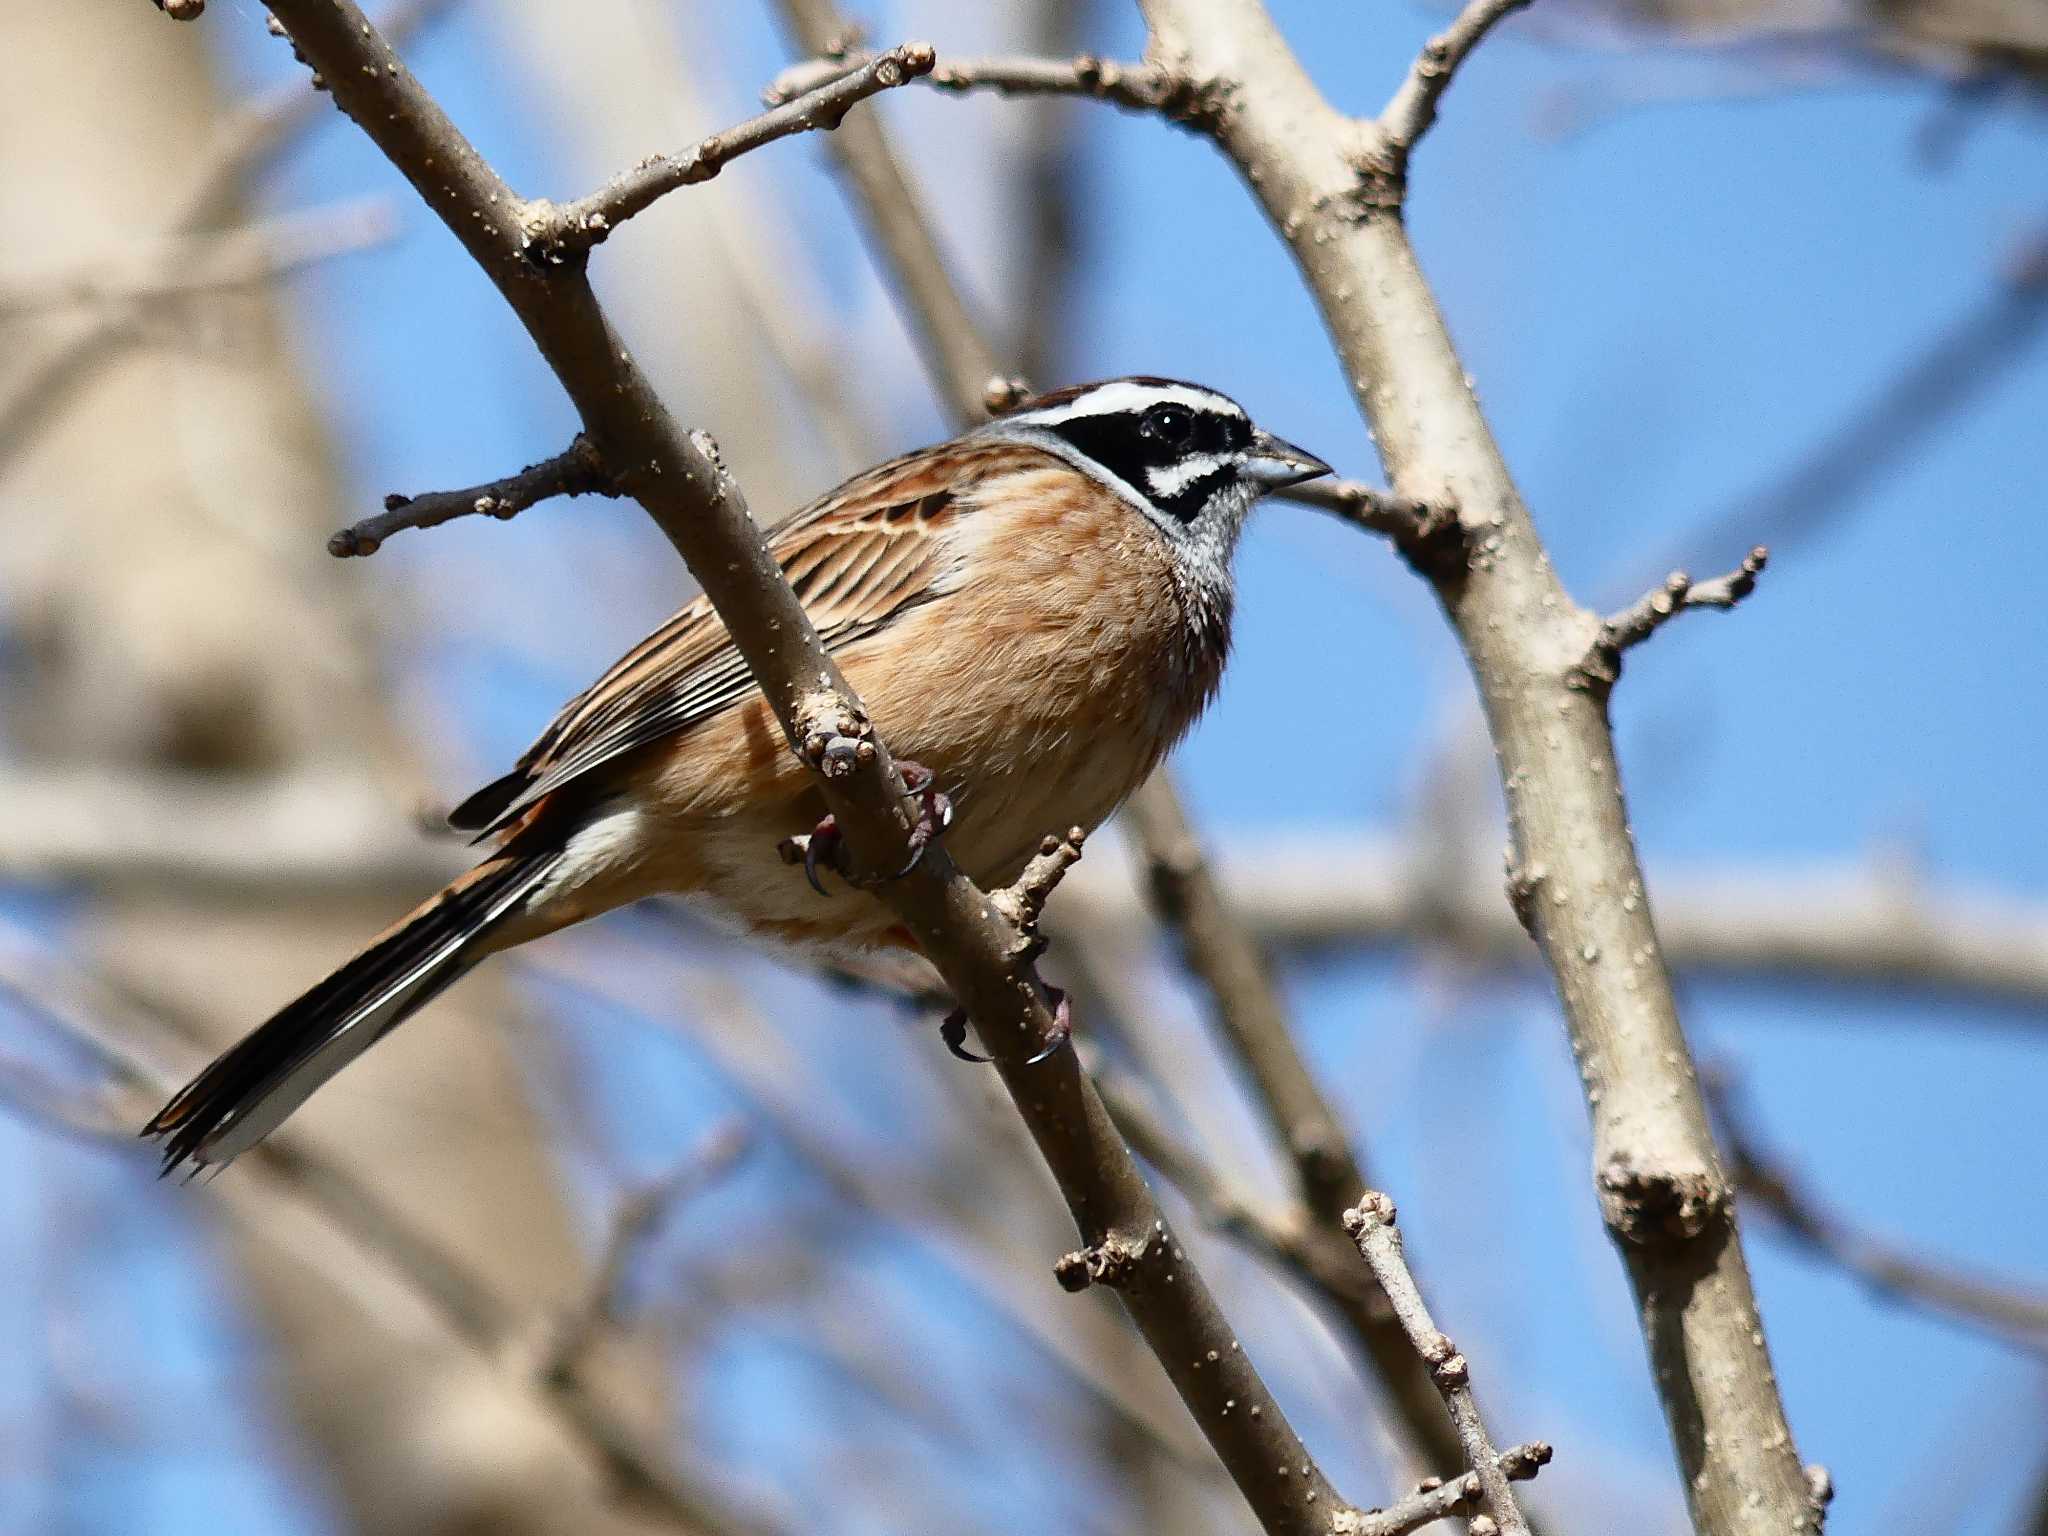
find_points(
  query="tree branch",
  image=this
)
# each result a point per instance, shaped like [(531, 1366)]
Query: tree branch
[(981, 955), (1439, 1500), (575, 471), (1253, 1022), (1135, 87), (1325, 183), (1371, 1225), (559, 232), (1649, 613), (1408, 116)]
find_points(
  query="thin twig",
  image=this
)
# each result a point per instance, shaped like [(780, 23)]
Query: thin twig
[(559, 231), (1371, 1225), (1134, 86), (1253, 1021), (575, 471), (1025, 898), (1403, 519), (1408, 115), (1649, 613), (1439, 1499)]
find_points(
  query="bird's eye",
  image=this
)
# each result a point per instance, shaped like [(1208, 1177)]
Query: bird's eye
[(1172, 425)]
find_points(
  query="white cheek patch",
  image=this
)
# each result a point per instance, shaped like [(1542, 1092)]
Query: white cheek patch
[(1169, 482)]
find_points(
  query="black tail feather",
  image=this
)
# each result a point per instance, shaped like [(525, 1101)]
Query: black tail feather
[(263, 1077), (481, 810)]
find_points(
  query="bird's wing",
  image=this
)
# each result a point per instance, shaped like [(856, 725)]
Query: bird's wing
[(857, 558)]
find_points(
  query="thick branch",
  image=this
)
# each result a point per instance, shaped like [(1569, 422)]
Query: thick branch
[(1371, 1225), (1664, 1194), (559, 231), (575, 471), (981, 955)]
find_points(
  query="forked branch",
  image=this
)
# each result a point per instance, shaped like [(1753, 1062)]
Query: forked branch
[(1371, 1225)]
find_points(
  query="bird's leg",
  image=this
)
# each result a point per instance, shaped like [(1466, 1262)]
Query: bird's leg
[(825, 844), (934, 810), (953, 1031)]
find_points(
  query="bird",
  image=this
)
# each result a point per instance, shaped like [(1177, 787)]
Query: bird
[(1034, 612)]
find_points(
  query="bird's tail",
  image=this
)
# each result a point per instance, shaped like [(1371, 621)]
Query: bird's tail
[(249, 1090)]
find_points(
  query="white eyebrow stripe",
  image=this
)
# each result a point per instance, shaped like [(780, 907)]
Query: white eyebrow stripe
[(1124, 395), (1171, 481)]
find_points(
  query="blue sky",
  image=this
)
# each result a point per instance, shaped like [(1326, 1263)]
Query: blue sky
[(1662, 311)]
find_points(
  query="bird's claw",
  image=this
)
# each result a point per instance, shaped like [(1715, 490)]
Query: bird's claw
[(953, 1031), (824, 844)]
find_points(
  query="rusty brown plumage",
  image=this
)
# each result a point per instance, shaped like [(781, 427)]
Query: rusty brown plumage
[(1035, 612)]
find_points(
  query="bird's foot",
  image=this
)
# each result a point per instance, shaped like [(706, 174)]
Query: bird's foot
[(953, 1031), (825, 845), (934, 810)]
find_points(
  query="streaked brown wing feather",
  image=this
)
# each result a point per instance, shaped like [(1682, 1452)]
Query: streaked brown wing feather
[(857, 558)]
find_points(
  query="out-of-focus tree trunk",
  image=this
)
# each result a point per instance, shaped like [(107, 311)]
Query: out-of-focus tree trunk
[(171, 606)]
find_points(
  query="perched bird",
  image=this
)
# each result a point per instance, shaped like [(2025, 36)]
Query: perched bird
[(1033, 612)]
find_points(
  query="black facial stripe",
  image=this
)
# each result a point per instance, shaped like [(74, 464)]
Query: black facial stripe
[(1186, 504), (1114, 442)]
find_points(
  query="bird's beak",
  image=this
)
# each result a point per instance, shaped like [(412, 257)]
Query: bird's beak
[(1274, 464)]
